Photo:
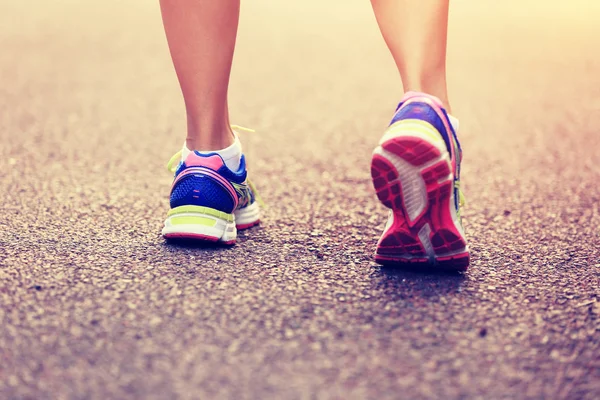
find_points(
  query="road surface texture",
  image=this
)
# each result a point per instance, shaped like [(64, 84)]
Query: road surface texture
[(94, 303)]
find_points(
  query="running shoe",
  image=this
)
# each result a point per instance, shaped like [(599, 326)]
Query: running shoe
[(209, 202), (415, 170)]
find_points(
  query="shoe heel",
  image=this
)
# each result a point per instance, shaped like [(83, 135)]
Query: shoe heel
[(247, 217), (412, 176), (200, 223)]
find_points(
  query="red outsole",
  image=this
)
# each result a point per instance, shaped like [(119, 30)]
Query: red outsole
[(196, 236), (247, 226), (400, 244), (459, 262)]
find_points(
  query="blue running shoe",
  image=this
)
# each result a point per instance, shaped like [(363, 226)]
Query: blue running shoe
[(209, 202), (416, 170)]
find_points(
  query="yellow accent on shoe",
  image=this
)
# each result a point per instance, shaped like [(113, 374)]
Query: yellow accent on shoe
[(200, 210), (462, 200), (174, 162), (193, 220), (242, 129), (424, 127), (257, 196)]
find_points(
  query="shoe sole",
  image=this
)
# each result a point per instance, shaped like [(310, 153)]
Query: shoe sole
[(208, 225), (247, 217), (412, 176)]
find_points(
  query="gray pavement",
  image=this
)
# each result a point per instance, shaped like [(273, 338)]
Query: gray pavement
[(94, 304)]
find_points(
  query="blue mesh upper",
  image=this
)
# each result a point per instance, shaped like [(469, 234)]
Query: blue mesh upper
[(199, 190), (424, 112)]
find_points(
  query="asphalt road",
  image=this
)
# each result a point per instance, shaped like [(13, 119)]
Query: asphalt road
[(94, 304)]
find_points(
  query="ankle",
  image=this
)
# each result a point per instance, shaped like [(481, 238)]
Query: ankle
[(209, 139), (441, 95), (231, 154), (430, 84)]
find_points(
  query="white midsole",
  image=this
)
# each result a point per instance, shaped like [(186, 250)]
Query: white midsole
[(223, 231), (247, 215)]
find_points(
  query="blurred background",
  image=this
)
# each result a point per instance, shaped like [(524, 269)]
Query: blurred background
[(95, 305)]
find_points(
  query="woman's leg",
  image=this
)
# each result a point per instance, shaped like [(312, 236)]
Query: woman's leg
[(207, 204), (201, 36), (416, 166), (415, 32)]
